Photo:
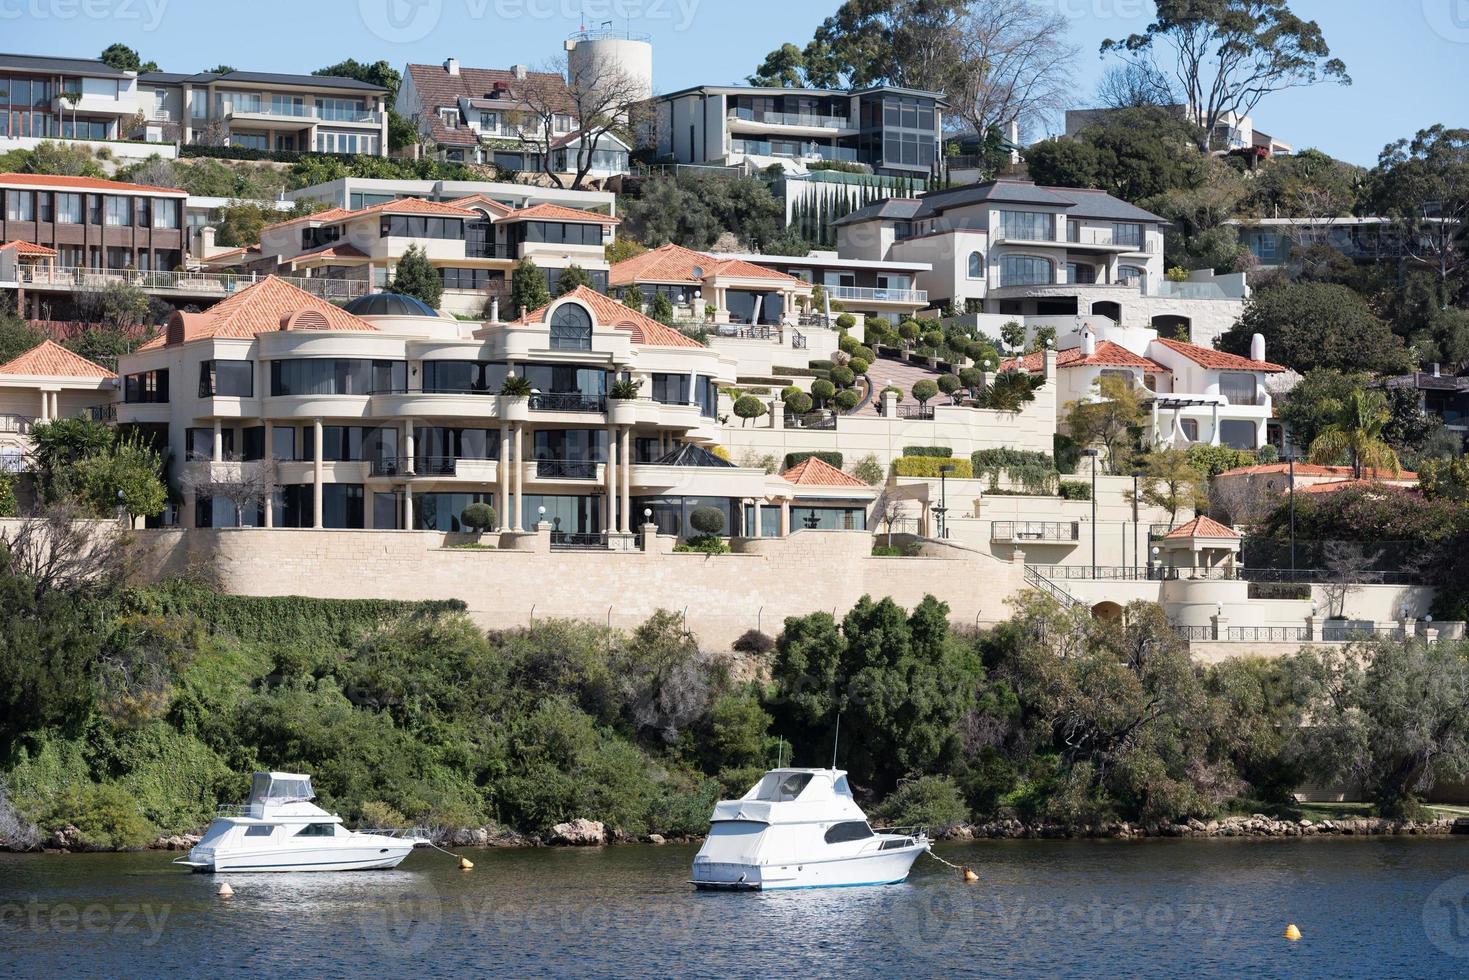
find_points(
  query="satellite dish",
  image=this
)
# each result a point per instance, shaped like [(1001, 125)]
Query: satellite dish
[(698, 272)]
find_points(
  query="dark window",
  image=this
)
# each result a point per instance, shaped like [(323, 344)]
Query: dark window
[(442, 511), (293, 505), (571, 328), (453, 377), (418, 226), (259, 830), (146, 387), (310, 376), (318, 830), (342, 505), (283, 442), (253, 439), (228, 379), (848, 830), (470, 278)]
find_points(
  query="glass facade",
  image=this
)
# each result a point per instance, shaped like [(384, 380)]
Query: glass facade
[(1032, 226), (555, 233), (146, 387), (421, 226), (336, 376), (671, 514), (571, 328), (227, 379), (444, 511), (1025, 270), (827, 517), (463, 377), (438, 442), (581, 514)]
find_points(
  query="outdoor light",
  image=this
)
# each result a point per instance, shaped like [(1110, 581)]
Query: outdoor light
[(648, 513), (1219, 609), (1428, 617), (1313, 607), (541, 511)]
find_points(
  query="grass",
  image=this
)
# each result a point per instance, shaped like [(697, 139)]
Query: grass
[(472, 546)]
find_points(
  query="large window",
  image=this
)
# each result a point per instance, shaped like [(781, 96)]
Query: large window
[(1033, 226), (325, 376), (1131, 274), (1025, 270), (1128, 233), (421, 226), (351, 443), (566, 514), (229, 379), (683, 389), (588, 382), (165, 213), (1237, 433), (1238, 387), (584, 446), (20, 205), (557, 232), (829, 518), (342, 505), (976, 265), (460, 377), (571, 328), (470, 278), (445, 511), (1081, 272), (437, 442), (146, 387), (671, 514), (119, 211), (69, 209)]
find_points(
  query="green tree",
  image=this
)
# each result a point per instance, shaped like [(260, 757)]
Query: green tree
[(748, 407), (782, 68), (378, 73), (1316, 325), (220, 69), (1422, 184), (1109, 420), (1009, 391), (1134, 154), (129, 474), (103, 346), (823, 391), (124, 58), (1171, 482), (693, 210), (661, 308), (240, 222), (1355, 433), (1315, 400), (63, 160), (16, 336), (528, 290), (923, 389), (60, 446), (571, 277), (416, 276)]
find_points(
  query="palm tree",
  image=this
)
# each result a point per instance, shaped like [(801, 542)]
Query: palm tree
[(1355, 431), (1010, 390)]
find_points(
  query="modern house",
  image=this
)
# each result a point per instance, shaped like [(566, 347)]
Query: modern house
[(491, 115), (719, 289), (266, 111), (36, 103), (891, 131), (474, 242), (355, 193), (874, 288), (1361, 239), (1018, 249)]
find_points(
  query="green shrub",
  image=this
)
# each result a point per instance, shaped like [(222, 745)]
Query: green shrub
[(867, 354), (944, 451), (1066, 452), (846, 399), (1034, 471), (1280, 590), (928, 466), (799, 403), (859, 365), (846, 321), (478, 517), (928, 801), (707, 520), (1074, 490), (949, 383), (924, 389), (847, 343), (869, 470), (107, 815), (822, 390), (820, 365), (826, 456), (1213, 460), (789, 390), (704, 544), (749, 407), (9, 507), (843, 376)]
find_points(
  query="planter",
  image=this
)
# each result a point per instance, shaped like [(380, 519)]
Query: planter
[(514, 408), (622, 411)]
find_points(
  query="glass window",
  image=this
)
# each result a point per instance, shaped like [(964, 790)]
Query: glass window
[(259, 830), (387, 512), (848, 830), (1238, 387), (1127, 233), (342, 505), (146, 387), (20, 205), (283, 442), (69, 209), (119, 211), (976, 265), (443, 511), (1237, 433), (571, 328), (1129, 274), (326, 376), (829, 518), (165, 213), (458, 377), (229, 379), (1190, 429), (324, 830), (1025, 270), (1034, 226), (1080, 272)]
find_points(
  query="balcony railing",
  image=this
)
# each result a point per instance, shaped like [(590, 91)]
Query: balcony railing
[(1267, 634), (583, 540), (1097, 573), (566, 469), (764, 148), (791, 119), (415, 466), (285, 110), (811, 420), (921, 412), (566, 401), (874, 295), (1035, 531), (17, 425), (1105, 236), (191, 283)]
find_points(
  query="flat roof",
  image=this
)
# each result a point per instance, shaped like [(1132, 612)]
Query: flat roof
[(824, 258), (819, 92), (49, 63), (262, 78)]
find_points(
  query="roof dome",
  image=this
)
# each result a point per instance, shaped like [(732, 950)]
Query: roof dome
[(389, 304)]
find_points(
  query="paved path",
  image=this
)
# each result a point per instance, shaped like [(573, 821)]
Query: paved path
[(902, 374)]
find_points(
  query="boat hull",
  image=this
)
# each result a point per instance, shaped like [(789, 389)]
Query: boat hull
[(353, 857), (888, 867)]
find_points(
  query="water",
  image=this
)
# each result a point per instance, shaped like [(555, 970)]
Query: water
[(1372, 907)]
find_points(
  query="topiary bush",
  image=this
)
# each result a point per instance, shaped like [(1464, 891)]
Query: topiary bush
[(822, 390), (941, 451), (1074, 490), (859, 365), (866, 353), (924, 390), (749, 407), (846, 400), (799, 403), (843, 377), (707, 520), (821, 365), (847, 344), (949, 383), (478, 517), (825, 455), (846, 321), (928, 466), (789, 390)]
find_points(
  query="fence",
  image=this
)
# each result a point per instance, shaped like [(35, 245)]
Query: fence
[(1035, 531)]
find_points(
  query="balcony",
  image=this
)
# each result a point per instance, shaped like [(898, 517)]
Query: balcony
[(16, 425), (795, 119), (179, 283), (281, 113), (566, 401), (813, 151), (1104, 239), (1021, 532), (865, 294), (566, 469)]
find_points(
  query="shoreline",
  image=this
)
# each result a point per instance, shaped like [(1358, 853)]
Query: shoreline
[(589, 833)]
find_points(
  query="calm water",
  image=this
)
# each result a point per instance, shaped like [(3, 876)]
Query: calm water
[(1385, 908)]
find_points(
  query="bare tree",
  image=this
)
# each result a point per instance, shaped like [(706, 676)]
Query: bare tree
[(1241, 502), (1348, 566), (602, 100), (246, 485), (61, 549), (1016, 64), (1135, 85)]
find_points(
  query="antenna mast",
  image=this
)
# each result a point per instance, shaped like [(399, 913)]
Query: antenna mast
[(835, 739)]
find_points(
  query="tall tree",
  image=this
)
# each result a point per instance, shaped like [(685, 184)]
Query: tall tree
[(1015, 65), (600, 98), (1355, 433), (782, 68), (416, 276), (1423, 185), (1227, 55), (1309, 325), (378, 73), (124, 58), (528, 289)]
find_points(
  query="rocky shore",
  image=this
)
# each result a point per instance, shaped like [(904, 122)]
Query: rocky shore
[(593, 833)]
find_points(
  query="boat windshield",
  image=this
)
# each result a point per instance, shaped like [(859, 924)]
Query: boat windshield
[(782, 787), (265, 788)]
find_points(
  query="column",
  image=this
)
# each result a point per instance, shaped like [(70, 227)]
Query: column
[(785, 516), (609, 503), (626, 474), (504, 468), (45, 406), (316, 472), (410, 451), (407, 506), (759, 528), (1214, 437), (56, 404), (517, 476), (1155, 424), (269, 505), (216, 452)]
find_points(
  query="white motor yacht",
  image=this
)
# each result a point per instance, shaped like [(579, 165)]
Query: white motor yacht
[(800, 828), (280, 829)]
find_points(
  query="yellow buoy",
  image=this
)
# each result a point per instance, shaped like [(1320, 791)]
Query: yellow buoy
[(969, 875), (225, 891), (465, 864), (1292, 933)]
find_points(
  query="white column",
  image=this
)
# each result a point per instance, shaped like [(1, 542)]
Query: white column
[(217, 449), (609, 518), (316, 454), (269, 506), (785, 517), (517, 505), (45, 406), (758, 527), (56, 404), (504, 469), (1214, 438), (1155, 425), (626, 474), (409, 447), (408, 507)]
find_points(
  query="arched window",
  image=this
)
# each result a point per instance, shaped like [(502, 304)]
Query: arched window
[(1131, 274), (571, 328), (1026, 270), (976, 265)]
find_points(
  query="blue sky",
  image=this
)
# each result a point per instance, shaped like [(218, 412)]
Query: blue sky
[(1409, 59)]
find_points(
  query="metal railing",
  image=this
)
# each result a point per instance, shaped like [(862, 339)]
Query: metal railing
[(798, 340), (735, 331), (876, 295), (811, 420), (19, 425), (1339, 632), (193, 283), (578, 540), (566, 401), (915, 411), (1036, 579), (1268, 634), (414, 466), (1035, 531), (1095, 573), (283, 110), (1322, 575), (1194, 632), (566, 469), (1103, 236), (791, 119)]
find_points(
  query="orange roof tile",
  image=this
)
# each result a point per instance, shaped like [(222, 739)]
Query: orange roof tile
[(609, 312), (1216, 359), (483, 200), (28, 248), (555, 212), (816, 472), (1107, 354), (85, 183), (674, 263), (1202, 527), (255, 310), (406, 205), (49, 359)]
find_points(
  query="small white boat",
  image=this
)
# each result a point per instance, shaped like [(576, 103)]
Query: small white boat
[(800, 828), (280, 829)]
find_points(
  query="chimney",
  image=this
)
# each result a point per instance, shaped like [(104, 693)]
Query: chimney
[(1088, 342), (451, 66), (520, 71), (1014, 134), (1435, 363), (494, 309), (1257, 347)]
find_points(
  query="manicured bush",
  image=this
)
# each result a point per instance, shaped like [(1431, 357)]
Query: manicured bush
[(749, 407), (924, 390), (846, 321), (949, 383), (789, 390), (822, 390), (843, 377), (820, 365), (825, 455), (1034, 471), (908, 330), (895, 390), (478, 517), (866, 353), (847, 343), (859, 365), (932, 338), (928, 466), (846, 399), (941, 451), (1074, 490), (707, 520), (799, 403), (704, 544)]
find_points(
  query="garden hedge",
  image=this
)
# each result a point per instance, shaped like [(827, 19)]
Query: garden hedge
[(825, 455), (928, 466)]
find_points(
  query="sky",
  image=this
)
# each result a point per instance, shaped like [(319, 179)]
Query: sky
[(1409, 59)]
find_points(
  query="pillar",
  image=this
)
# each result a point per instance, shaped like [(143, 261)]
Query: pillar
[(45, 406), (517, 477), (785, 517), (1214, 437), (626, 474), (609, 503), (407, 506), (758, 521), (316, 453), (216, 450), (1155, 424), (410, 452), (504, 469), (56, 404)]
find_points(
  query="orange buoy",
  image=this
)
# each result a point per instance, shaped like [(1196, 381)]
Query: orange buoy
[(1292, 933), (465, 864), (969, 875)]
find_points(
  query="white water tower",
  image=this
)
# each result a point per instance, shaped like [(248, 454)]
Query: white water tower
[(609, 53)]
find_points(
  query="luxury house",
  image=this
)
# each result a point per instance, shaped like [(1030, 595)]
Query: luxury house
[(893, 131), (881, 289), (1233, 133), (47, 382), (474, 242), (734, 290), (491, 115), (355, 193), (36, 103)]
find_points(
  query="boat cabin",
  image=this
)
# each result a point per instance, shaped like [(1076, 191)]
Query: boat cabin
[(276, 789)]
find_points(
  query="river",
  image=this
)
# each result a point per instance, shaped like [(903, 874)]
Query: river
[(1392, 907)]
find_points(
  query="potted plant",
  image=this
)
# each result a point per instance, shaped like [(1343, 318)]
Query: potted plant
[(622, 403), (515, 393)]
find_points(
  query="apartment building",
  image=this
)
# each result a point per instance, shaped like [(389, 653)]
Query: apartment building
[(475, 243), (892, 131), (491, 115), (1018, 249)]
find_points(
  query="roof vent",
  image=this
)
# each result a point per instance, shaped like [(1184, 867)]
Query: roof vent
[(520, 71), (451, 65), (305, 320)]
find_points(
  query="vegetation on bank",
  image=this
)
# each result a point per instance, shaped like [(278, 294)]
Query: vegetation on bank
[(128, 712)]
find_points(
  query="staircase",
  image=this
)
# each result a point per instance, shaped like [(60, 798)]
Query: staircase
[(1036, 580)]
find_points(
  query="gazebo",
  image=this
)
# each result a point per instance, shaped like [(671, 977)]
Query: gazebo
[(1203, 546)]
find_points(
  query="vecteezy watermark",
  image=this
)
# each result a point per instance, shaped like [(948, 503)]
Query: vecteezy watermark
[(1101, 9), (406, 921), (406, 21), (1449, 19), (1446, 916), (95, 918), (1202, 922), (147, 13)]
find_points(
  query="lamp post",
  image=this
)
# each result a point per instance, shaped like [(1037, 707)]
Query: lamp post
[(1291, 486), (1136, 475), (1092, 455), (942, 509)]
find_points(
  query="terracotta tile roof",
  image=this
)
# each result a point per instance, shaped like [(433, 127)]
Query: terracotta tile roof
[(255, 310), (1314, 469), (482, 200), (49, 359), (608, 312), (406, 205), (555, 212), (1107, 354), (815, 472), (330, 214), (1202, 527), (1216, 359), (337, 250), (674, 263), (437, 89), (1333, 486), (28, 248), (85, 183)]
